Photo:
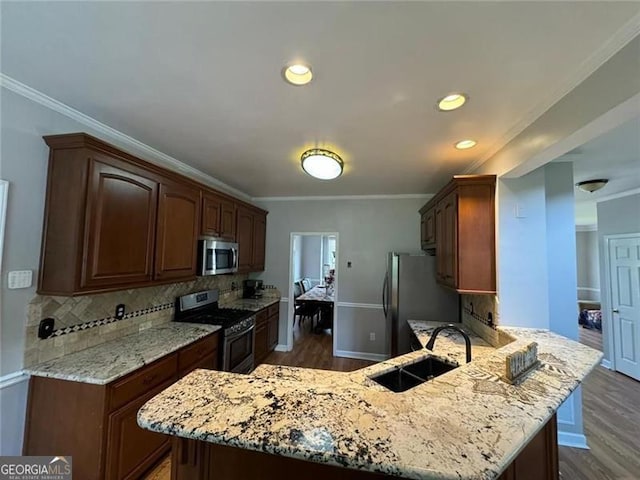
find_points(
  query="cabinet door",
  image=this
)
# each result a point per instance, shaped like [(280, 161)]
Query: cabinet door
[(211, 215), (450, 240), (272, 327), (441, 246), (177, 233), (430, 227), (259, 240), (120, 229), (130, 449), (244, 234), (262, 342), (228, 220)]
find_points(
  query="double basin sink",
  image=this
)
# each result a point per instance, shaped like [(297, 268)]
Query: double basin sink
[(411, 375)]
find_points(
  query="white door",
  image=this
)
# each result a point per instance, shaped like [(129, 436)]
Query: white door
[(624, 264)]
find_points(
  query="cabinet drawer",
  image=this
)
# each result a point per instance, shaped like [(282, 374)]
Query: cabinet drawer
[(273, 309), (261, 317), (140, 382), (192, 354)]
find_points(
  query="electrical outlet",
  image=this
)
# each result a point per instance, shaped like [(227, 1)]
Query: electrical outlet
[(45, 329), (119, 311), (372, 336)]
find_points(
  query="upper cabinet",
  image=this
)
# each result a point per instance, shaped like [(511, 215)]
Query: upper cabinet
[(218, 216), (177, 231), (251, 233), (113, 221), (462, 233)]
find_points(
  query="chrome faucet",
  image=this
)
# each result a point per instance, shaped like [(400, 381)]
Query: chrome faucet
[(467, 340)]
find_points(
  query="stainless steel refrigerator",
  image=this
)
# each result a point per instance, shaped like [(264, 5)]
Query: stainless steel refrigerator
[(410, 292)]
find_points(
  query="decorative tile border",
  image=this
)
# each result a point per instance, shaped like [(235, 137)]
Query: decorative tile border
[(105, 321)]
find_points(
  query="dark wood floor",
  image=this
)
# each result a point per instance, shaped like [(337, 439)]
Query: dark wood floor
[(314, 350), (611, 411), (611, 408)]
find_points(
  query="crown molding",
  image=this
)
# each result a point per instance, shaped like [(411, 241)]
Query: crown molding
[(344, 197), (624, 35), (150, 153)]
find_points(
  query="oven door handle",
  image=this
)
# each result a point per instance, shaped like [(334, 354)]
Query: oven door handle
[(239, 334)]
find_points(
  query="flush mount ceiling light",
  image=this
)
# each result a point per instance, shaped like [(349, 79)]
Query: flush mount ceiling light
[(592, 185), (452, 102), (322, 164), (464, 144), (297, 74)]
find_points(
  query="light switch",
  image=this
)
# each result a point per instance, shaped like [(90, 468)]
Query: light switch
[(20, 279)]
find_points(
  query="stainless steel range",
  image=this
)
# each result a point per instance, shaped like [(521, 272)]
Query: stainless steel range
[(237, 339)]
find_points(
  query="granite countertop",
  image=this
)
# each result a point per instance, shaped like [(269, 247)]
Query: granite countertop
[(254, 304), (112, 360), (467, 423)]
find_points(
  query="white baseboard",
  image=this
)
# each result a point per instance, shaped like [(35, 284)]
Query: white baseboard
[(12, 378), (375, 357), (606, 364), (282, 348), (573, 440)]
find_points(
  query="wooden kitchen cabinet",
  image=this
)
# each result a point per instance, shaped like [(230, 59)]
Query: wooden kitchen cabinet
[(428, 229), (218, 217), (464, 224), (99, 427), (113, 221), (177, 231), (267, 329), (251, 235)]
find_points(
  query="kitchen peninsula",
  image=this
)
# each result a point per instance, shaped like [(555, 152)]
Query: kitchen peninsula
[(284, 422)]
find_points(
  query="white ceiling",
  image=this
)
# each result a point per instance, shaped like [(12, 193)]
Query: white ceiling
[(202, 81), (615, 156)]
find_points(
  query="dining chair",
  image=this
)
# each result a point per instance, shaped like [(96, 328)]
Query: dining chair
[(306, 283), (303, 309)]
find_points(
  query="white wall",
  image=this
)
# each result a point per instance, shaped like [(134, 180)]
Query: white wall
[(536, 264), (368, 229), (615, 216), (588, 266)]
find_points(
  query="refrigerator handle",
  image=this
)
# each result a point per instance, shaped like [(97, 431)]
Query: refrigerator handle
[(385, 295)]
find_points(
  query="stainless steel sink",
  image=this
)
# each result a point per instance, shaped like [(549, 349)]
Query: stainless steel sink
[(411, 375)]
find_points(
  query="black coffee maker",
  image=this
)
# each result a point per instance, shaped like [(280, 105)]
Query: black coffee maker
[(252, 289)]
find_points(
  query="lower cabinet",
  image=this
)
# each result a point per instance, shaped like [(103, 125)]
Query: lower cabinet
[(267, 325), (97, 424)]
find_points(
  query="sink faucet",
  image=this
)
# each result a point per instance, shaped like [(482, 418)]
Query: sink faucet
[(467, 340)]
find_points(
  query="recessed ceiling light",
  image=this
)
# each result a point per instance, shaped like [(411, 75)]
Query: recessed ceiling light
[(464, 144), (451, 102), (297, 74), (322, 164)]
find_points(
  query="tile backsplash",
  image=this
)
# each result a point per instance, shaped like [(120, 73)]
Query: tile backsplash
[(88, 320), (480, 315)]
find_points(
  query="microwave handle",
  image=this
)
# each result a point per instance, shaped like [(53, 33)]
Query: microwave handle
[(234, 256)]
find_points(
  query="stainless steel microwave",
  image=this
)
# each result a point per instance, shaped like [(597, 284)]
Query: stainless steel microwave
[(217, 256)]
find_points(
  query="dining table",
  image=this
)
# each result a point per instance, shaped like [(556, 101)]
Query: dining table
[(323, 297)]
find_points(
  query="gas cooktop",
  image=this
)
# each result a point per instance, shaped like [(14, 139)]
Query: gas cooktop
[(219, 316)]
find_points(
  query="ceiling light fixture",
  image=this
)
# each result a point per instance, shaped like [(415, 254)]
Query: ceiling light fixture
[(322, 164), (464, 144), (297, 74), (591, 186), (452, 102)]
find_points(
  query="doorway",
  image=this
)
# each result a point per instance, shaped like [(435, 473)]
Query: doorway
[(313, 292), (623, 269)]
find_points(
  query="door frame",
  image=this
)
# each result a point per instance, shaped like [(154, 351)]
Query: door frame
[(291, 302), (607, 302)]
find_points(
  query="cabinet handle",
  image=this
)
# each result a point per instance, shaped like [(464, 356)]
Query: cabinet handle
[(148, 379), (615, 310)]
